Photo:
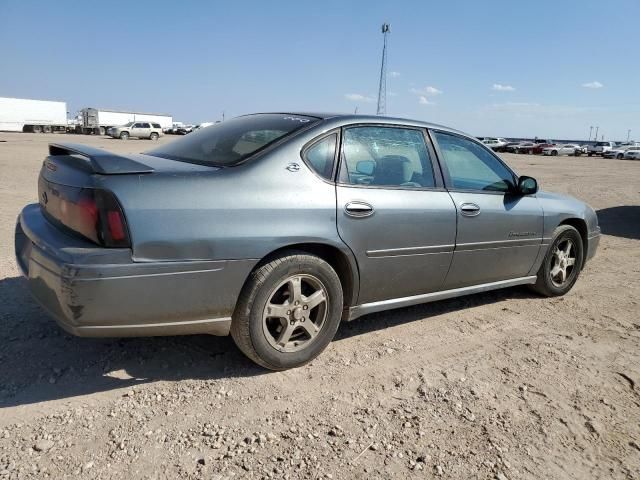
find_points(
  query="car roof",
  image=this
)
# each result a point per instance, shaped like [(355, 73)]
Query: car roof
[(346, 118)]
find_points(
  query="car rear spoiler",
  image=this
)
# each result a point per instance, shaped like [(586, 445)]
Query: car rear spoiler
[(102, 161)]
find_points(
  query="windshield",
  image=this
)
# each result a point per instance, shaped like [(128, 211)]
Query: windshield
[(602, 144), (230, 142), (130, 124)]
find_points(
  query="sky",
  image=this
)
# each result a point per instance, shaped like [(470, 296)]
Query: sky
[(548, 68)]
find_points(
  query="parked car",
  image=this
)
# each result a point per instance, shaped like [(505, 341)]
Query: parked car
[(275, 227), (539, 147), (617, 152), (510, 147), (600, 148), (150, 130), (524, 147), (203, 125), (496, 144), (566, 149), (184, 130), (632, 154)]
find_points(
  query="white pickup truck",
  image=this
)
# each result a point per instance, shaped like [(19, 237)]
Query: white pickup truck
[(600, 148)]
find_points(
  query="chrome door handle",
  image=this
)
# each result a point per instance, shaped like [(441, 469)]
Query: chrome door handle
[(358, 209), (469, 209)]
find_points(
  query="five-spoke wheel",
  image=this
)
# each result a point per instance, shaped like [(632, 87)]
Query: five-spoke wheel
[(562, 264), (288, 311), (295, 313)]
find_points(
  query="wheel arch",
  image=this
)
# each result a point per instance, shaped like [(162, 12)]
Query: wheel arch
[(580, 225), (342, 262)]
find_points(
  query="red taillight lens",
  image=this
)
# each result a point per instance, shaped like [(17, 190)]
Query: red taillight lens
[(116, 226), (93, 213), (80, 214), (112, 224)]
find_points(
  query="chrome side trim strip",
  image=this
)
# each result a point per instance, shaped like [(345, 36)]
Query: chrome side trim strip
[(365, 309), (518, 242), (407, 251)]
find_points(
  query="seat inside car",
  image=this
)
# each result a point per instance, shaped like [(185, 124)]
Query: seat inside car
[(393, 170)]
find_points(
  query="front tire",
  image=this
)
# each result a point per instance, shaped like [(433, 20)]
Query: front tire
[(554, 153), (288, 311), (124, 136), (562, 263)]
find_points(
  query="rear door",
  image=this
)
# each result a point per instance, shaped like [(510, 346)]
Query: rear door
[(393, 212), (499, 233)]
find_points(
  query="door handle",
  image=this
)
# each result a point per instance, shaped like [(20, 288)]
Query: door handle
[(469, 209), (358, 209)]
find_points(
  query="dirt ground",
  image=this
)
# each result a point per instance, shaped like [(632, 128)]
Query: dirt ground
[(503, 385)]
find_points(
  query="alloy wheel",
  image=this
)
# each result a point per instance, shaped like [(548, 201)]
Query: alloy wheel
[(295, 313), (563, 262)]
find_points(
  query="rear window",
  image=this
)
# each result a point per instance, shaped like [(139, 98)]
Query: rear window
[(231, 142)]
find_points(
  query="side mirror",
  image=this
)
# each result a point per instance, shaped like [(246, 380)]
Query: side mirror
[(527, 185), (366, 167)]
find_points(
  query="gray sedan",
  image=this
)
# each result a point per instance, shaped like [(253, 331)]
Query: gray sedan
[(275, 227)]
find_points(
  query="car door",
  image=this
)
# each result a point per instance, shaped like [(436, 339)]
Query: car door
[(137, 129), (499, 232), (393, 211), (145, 132)]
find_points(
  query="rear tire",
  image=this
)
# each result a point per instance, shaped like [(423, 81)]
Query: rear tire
[(154, 136), (36, 129), (619, 156), (565, 254), (46, 129), (102, 131), (279, 325), (124, 135)]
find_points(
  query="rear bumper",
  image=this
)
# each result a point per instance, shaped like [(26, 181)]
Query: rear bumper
[(99, 292)]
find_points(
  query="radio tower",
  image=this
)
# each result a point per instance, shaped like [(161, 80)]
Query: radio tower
[(382, 89)]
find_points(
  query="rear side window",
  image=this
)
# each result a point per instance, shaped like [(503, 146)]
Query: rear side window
[(156, 125), (228, 143), (385, 156), (145, 125), (321, 156)]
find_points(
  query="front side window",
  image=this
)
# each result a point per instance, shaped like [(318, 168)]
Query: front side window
[(230, 142), (385, 156), (321, 156), (472, 167), (137, 125)]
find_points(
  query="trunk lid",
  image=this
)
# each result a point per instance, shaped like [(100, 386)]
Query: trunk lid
[(75, 195)]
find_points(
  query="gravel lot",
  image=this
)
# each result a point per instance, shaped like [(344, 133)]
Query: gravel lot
[(501, 385)]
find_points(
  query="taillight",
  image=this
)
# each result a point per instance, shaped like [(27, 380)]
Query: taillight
[(96, 215), (111, 225)]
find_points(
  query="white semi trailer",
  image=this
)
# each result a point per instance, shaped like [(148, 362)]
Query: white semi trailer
[(97, 121), (25, 115)]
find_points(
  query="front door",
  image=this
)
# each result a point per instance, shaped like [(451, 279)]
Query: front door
[(393, 212), (499, 232)]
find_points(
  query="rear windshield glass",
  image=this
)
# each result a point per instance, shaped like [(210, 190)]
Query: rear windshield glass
[(230, 142)]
